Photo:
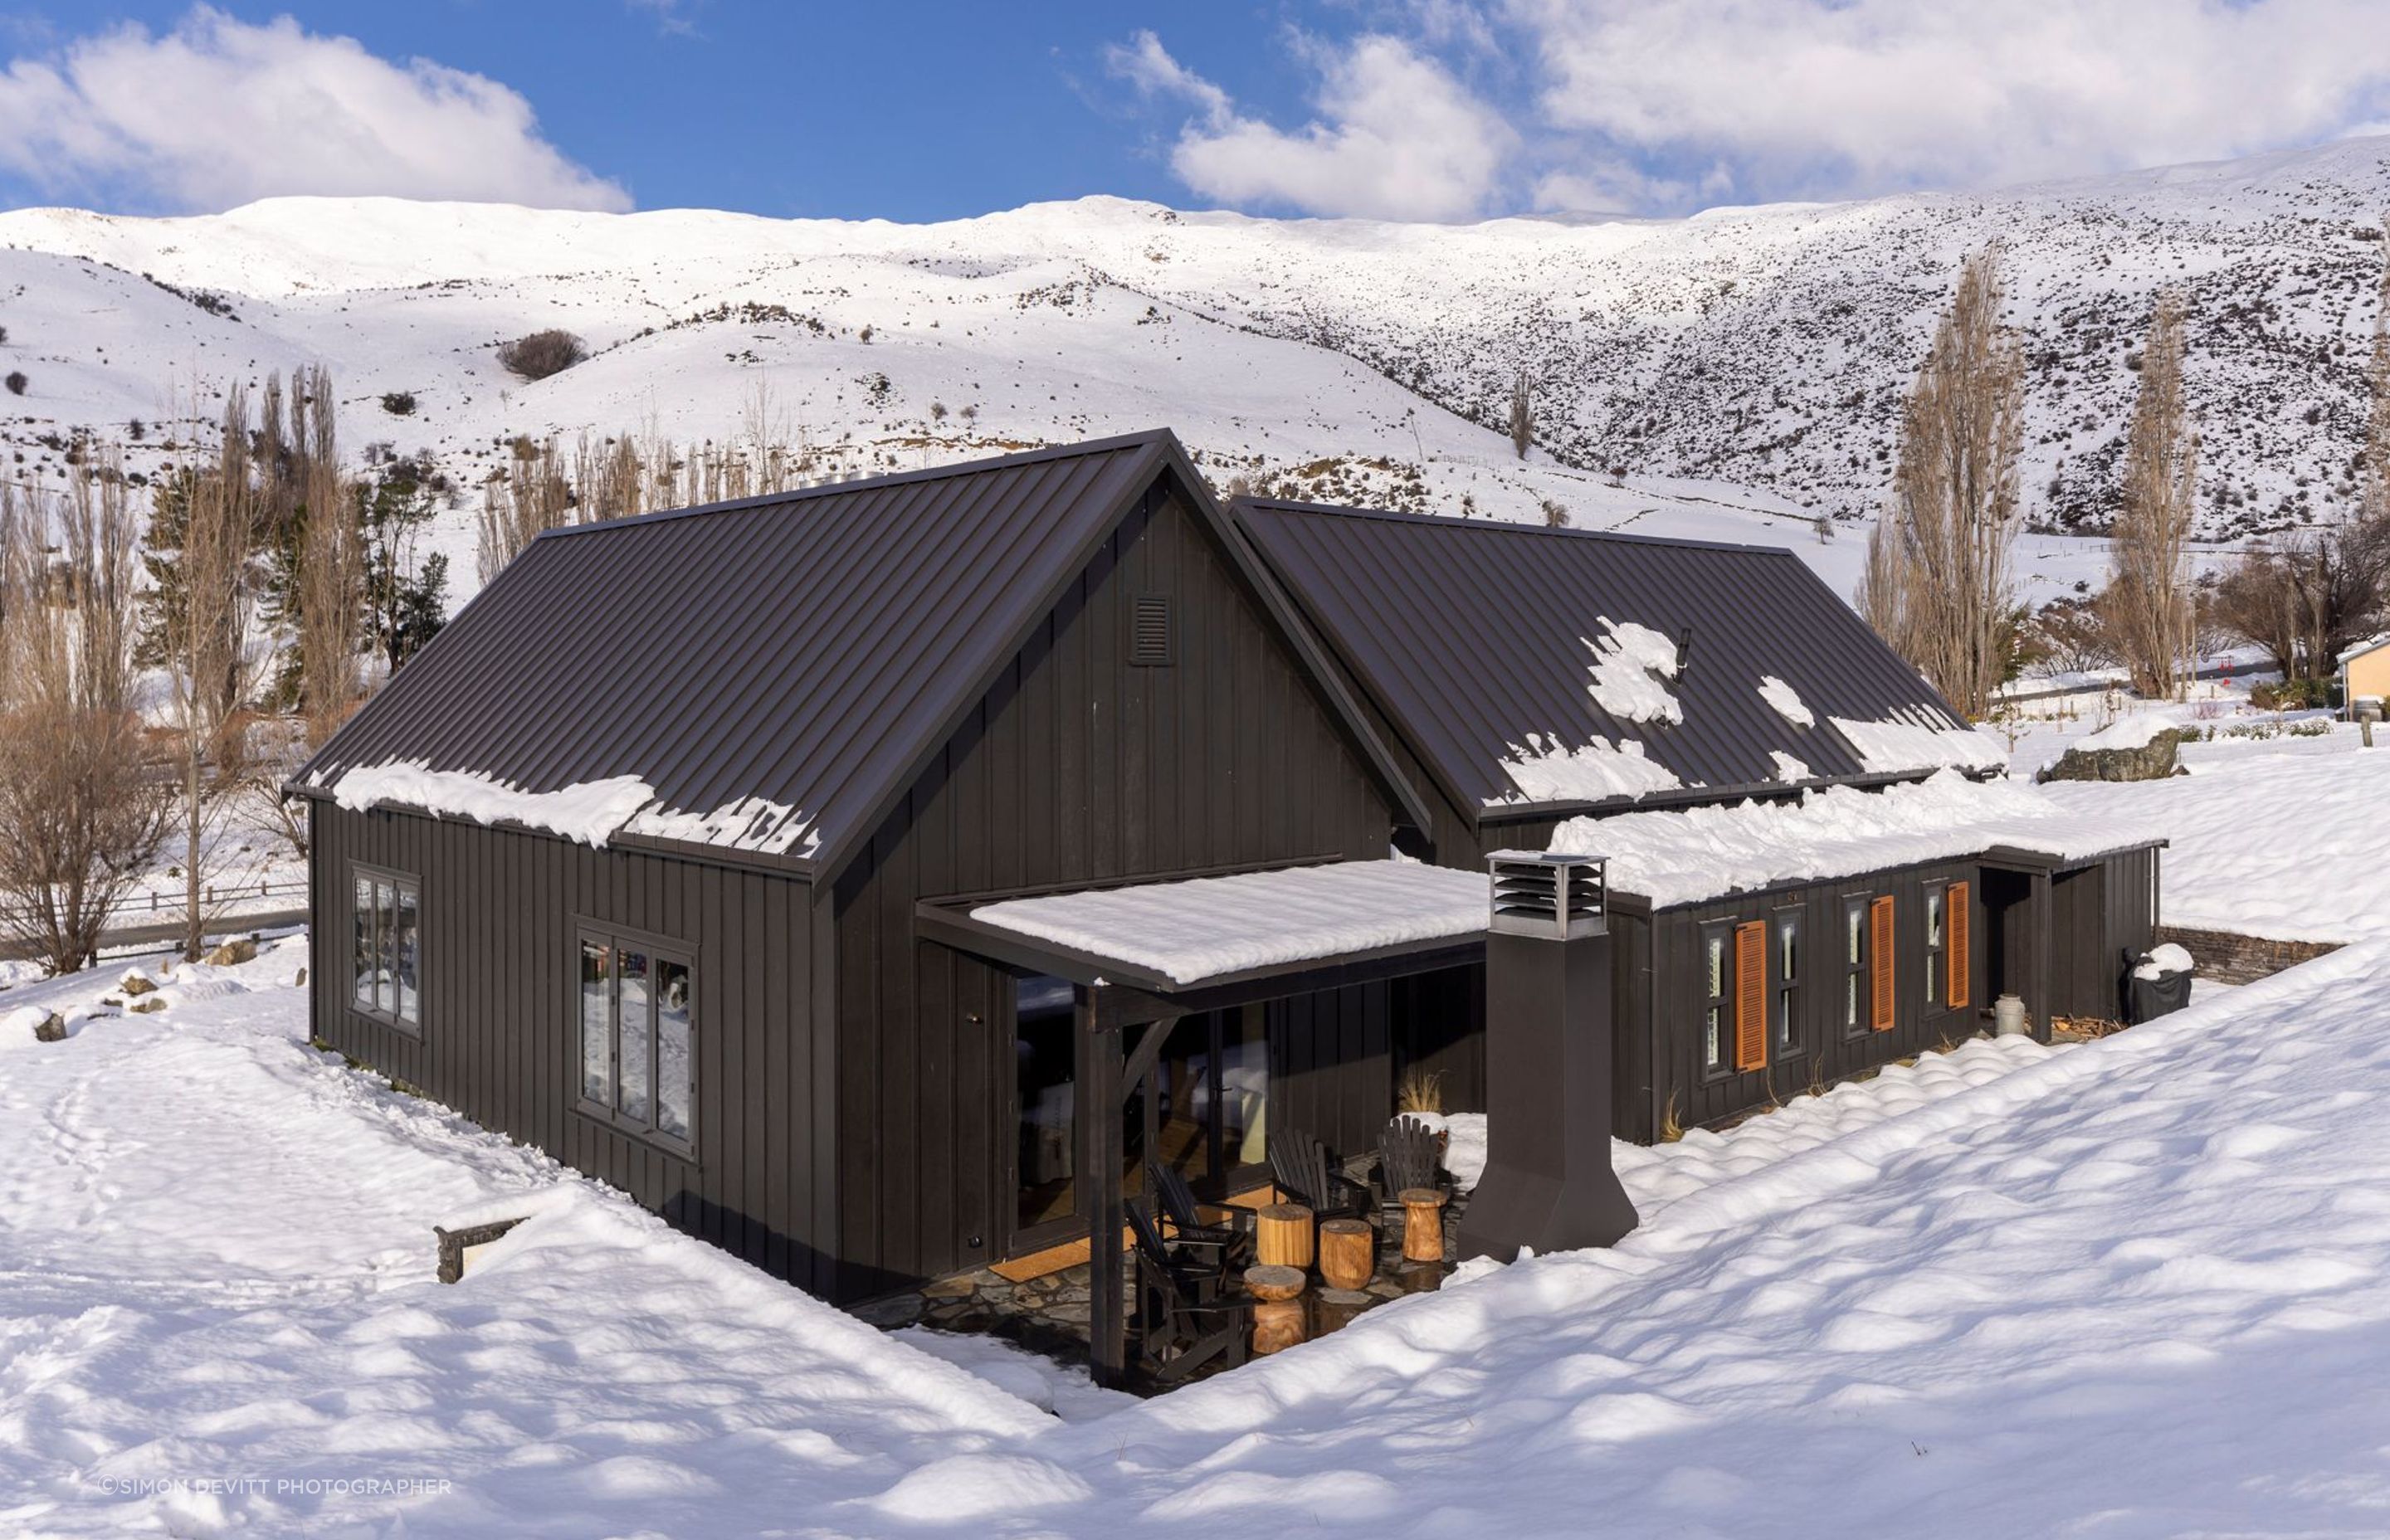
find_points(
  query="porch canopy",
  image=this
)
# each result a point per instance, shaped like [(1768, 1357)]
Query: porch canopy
[(1157, 950), (1141, 956)]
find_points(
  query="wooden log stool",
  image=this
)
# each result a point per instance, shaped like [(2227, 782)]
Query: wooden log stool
[(1282, 1236), (1348, 1252), (1422, 1224), (1277, 1307)]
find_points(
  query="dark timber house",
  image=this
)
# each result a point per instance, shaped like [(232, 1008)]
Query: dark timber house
[(805, 865)]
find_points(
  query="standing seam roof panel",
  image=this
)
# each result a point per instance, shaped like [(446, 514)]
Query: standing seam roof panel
[(811, 643), (1468, 634)]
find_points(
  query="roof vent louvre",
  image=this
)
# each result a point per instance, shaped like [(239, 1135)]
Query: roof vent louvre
[(1148, 631), (1555, 896)]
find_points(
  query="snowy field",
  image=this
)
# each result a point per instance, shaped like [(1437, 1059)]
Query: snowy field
[(2129, 1288), (2281, 838)]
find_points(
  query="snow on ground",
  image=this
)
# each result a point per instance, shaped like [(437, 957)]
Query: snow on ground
[(2132, 1286), (2043, 718), (215, 1264), (2132, 1289), (2271, 837)]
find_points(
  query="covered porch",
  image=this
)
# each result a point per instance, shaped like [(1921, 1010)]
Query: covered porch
[(1154, 1024)]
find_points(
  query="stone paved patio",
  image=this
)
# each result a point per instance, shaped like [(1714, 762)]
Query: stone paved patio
[(1049, 1314)]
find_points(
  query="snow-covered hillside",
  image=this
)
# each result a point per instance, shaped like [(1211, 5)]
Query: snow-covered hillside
[(1735, 373)]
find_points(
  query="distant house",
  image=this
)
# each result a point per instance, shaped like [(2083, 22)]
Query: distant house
[(2365, 671), (847, 873)]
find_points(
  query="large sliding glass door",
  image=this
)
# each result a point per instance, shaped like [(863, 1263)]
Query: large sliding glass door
[(1203, 1109)]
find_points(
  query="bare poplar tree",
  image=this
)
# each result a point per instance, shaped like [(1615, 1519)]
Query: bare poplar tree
[(530, 496), (331, 571), (82, 808), (1523, 415), (205, 652), (2147, 603), (1938, 583)]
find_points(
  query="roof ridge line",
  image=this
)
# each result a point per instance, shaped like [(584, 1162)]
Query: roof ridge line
[(867, 483), (1289, 505)]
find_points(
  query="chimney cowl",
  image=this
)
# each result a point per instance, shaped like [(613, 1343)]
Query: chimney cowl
[(1555, 895)]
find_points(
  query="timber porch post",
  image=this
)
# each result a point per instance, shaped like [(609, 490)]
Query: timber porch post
[(2041, 895), (1098, 1115)]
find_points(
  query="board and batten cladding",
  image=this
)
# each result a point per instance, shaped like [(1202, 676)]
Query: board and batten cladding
[(498, 974), (1078, 768), (2103, 918), (1678, 1084)]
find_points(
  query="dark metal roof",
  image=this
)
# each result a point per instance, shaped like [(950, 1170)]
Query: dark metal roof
[(1470, 634), (810, 649)]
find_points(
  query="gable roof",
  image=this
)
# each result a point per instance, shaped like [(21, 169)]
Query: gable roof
[(776, 671), (1470, 635)]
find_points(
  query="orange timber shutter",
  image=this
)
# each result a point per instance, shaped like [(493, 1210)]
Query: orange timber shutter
[(1751, 996), (1880, 951), (1955, 907)]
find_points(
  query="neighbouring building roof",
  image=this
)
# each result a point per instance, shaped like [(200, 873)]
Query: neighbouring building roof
[(1688, 855), (2370, 644), (1209, 928), (762, 676), (1533, 668)]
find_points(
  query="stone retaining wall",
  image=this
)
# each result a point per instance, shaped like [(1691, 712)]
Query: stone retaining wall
[(2229, 957)]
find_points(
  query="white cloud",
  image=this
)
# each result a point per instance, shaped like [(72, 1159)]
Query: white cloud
[(1397, 135), (1831, 97), (220, 111)]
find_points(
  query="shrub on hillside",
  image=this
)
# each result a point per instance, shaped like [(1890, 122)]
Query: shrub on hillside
[(399, 404), (16, 382), (542, 353)]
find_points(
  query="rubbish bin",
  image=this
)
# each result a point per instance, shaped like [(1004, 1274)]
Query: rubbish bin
[(2160, 983)]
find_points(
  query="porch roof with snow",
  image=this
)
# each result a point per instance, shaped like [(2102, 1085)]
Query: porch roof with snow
[(1538, 672), (1211, 932), (762, 679), (1691, 855)]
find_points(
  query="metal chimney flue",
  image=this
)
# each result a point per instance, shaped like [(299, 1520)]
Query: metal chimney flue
[(1548, 1183)]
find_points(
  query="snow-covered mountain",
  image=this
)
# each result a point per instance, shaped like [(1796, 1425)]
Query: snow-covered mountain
[(1732, 375)]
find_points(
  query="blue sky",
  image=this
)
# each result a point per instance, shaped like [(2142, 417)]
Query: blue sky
[(1402, 109)]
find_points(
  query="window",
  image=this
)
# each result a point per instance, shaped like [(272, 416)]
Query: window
[(384, 966), (1714, 1004), (1855, 966), (638, 1036), (1786, 1015), (1934, 946)]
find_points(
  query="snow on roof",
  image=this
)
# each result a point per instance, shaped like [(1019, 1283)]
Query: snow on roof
[(1210, 926), (1787, 702), (1546, 770), (1920, 737), (751, 823), (1632, 665), (1702, 852), (589, 812), (2372, 644)]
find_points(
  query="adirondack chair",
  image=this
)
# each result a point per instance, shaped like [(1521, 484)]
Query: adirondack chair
[(1407, 1157), (1309, 1174), (1187, 1314), (1229, 1243)]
